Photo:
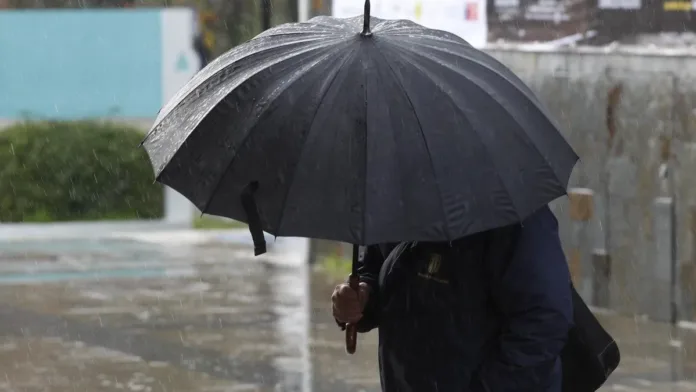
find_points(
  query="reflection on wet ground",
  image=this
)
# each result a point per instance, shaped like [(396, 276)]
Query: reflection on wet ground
[(124, 315)]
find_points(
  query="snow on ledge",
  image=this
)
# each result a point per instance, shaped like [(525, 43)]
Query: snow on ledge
[(614, 48)]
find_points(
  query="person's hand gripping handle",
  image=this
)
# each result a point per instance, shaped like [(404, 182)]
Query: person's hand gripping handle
[(349, 300)]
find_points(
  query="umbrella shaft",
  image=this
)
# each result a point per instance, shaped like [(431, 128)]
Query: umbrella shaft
[(366, 20)]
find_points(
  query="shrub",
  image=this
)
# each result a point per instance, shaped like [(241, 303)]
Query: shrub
[(72, 171)]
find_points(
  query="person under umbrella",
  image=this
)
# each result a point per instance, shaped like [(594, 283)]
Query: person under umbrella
[(487, 312)]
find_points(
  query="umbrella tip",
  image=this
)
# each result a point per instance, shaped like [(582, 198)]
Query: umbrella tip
[(366, 20)]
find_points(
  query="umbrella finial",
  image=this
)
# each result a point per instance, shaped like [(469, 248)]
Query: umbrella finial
[(366, 20)]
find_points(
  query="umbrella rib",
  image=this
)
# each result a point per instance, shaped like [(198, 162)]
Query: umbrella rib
[(512, 78), (431, 77), (205, 111), (497, 172), (309, 130), (364, 198), (537, 105), (200, 79), (425, 141), (244, 140)]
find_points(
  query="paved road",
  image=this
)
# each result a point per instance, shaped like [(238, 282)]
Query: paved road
[(169, 313), (153, 315)]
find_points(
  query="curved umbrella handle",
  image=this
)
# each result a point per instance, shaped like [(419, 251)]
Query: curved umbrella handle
[(352, 329)]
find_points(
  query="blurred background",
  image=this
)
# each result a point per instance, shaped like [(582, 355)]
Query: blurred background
[(110, 282)]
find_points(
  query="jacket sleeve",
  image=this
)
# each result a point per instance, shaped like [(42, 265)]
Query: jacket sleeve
[(368, 270), (530, 285)]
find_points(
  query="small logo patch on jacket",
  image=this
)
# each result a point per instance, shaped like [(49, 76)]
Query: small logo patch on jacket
[(433, 269)]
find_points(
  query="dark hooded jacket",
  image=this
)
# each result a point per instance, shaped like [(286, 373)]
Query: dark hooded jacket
[(489, 312)]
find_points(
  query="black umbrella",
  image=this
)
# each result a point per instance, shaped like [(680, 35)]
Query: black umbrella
[(330, 129)]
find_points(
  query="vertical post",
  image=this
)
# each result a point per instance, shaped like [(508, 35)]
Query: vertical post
[(580, 264), (302, 10), (664, 299), (178, 211), (675, 287), (601, 259), (601, 263), (667, 293), (687, 274)]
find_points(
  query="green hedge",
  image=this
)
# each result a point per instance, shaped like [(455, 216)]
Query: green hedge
[(75, 171)]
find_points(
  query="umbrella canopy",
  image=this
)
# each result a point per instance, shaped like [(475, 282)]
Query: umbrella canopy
[(330, 129)]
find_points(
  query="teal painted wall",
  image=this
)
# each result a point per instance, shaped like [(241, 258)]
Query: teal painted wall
[(80, 64)]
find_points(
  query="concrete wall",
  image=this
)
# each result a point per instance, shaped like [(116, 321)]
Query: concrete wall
[(73, 64), (651, 156)]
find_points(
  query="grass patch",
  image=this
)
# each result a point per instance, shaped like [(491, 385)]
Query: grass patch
[(207, 222), (334, 267)]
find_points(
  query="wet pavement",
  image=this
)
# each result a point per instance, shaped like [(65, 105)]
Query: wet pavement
[(159, 313), (118, 314)]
